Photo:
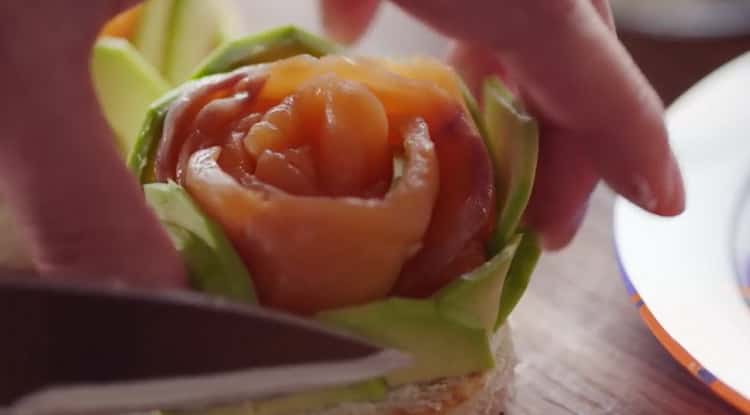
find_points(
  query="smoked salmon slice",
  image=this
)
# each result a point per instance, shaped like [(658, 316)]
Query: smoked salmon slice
[(295, 159)]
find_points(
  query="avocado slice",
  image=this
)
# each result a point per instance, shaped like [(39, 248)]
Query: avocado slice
[(205, 266), (440, 346), (213, 264), (368, 391), (141, 158), (448, 334), (524, 261), (268, 46), (230, 23), (473, 107), (473, 298), (512, 138), (151, 35), (125, 84), (192, 34)]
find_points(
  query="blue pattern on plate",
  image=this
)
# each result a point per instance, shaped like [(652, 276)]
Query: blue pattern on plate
[(741, 241), (705, 376)]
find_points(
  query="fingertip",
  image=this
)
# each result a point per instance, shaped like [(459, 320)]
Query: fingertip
[(656, 187), (672, 195), (346, 21)]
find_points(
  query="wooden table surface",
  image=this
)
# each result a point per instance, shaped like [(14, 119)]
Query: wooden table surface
[(582, 346)]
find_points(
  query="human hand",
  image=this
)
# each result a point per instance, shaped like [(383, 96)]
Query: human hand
[(599, 117), (79, 209)]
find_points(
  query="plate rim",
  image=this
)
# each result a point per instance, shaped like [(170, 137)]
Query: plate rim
[(741, 275), (669, 343), (673, 347)]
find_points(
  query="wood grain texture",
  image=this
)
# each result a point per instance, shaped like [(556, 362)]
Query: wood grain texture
[(582, 345)]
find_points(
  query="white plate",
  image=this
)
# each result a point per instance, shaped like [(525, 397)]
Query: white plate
[(686, 274)]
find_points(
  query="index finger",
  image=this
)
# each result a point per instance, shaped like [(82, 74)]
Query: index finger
[(579, 78)]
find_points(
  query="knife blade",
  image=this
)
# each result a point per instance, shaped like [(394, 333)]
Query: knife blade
[(79, 349)]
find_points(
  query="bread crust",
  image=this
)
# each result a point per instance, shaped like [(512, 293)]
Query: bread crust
[(475, 394)]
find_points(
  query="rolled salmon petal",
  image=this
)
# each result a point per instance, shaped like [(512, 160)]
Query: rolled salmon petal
[(461, 212), (343, 123), (400, 96), (179, 123), (308, 254)]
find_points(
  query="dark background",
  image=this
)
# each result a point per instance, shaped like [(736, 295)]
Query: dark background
[(673, 65)]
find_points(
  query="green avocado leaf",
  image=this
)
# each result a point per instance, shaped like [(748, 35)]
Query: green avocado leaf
[(367, 391), (193, 33), (512, 139), (125, 85), (213, 264), (176, 35), (268, 46), (473, 106), (473, 299), (140, 160), (152, 35), (440, 346), (524, 261)]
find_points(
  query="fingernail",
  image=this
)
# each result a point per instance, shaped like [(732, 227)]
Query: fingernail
[(644, 194), (673, 202), (664, 195)]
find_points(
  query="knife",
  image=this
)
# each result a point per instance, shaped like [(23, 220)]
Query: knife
[(79, 349)]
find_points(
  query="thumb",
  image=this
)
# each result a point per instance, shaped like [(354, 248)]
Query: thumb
[(77, 207), (346, 20), (82, 214)]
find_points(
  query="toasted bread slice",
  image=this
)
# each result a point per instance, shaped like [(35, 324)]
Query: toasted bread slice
[(474, 394)]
